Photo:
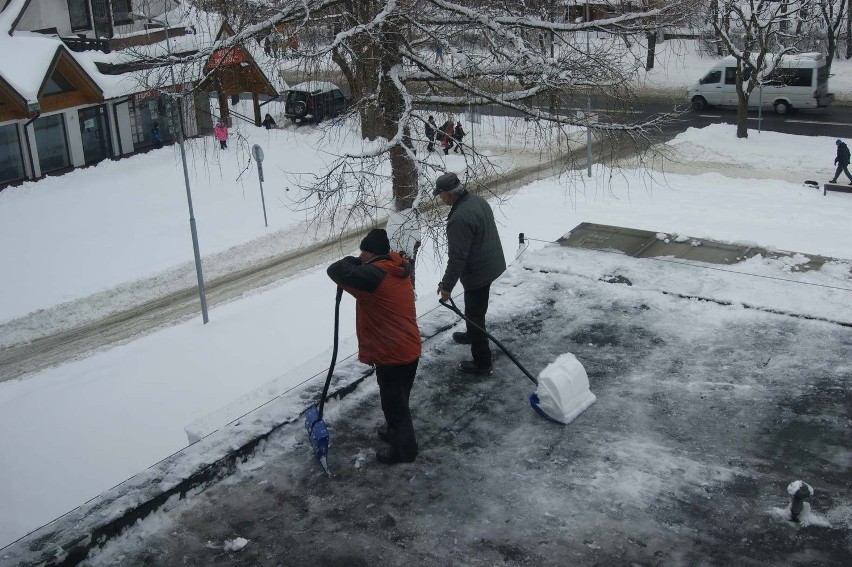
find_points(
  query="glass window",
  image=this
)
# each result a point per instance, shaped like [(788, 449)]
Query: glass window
[(79, 12), (711, 78), (792, 77), (121, 10), (144, 114), (103, 21), (57, 84), (11, 159), (731, 75), (94, 133), (52, 143)]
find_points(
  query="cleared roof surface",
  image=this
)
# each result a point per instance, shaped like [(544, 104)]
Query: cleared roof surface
[(705, 414)]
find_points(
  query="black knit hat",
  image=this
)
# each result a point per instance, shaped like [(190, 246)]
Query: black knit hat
[(446, 182), (376, 242)]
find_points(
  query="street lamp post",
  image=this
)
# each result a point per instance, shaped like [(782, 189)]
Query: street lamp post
[(588, 105), (196, 251)]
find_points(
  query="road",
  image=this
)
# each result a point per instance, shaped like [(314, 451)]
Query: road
[(20, 360)]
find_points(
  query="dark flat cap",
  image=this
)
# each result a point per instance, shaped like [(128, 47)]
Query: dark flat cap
[(446, 182)]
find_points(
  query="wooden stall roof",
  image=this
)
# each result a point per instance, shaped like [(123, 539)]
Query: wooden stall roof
[(233, 70)]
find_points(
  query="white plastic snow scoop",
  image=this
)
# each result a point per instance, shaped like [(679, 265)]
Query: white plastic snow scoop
[(563, 390)]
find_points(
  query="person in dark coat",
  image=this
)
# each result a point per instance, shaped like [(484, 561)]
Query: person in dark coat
[(458, 136), (475, 256), (841, 161), (388, 336), (268, 122), (445, 135), (156, 135), (431, 129)]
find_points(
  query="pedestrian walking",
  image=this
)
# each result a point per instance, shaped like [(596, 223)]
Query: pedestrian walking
[(388, 336), (220, 131), (268, 122), (431, 129), (439, 52), (474, 257), (447, 135), (841, 161), (458, 136), (156, 135)]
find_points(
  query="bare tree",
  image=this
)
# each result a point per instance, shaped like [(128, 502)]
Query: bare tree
[(848, 33), (504, 55), (833, 15), (753, 32)]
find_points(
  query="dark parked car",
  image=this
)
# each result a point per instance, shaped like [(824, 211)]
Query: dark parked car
[(314, 101)]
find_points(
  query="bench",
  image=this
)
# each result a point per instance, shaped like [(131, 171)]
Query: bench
[(836, 187)]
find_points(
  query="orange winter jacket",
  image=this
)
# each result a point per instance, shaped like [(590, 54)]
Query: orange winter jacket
[(385, 317)]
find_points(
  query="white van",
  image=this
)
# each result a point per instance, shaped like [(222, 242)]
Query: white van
[(800, 81)]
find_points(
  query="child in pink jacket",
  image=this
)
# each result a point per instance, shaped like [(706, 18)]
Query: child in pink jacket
[(221, 133)]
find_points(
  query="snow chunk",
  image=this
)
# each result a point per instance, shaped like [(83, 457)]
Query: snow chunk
[(403, 230), (236, 544), (806, 517), (794, 487)]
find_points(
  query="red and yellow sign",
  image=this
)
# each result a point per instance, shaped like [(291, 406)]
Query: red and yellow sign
[(226, 58)]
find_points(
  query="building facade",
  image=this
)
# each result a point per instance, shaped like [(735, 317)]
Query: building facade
[(58, 111)]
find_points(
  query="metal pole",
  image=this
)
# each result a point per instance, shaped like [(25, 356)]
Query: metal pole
[(263, 202), (589, 105), (760, 108), (198, 271), (257, 152)]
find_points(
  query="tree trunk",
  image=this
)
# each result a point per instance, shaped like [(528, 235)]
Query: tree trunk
[(832, 49), (362, 75), (391, 109), (848, 32), (742, 114), (652, 48)]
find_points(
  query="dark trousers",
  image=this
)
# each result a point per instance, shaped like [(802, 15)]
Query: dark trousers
[(223, 144), (475, 307), (395, 389), (844, 168)]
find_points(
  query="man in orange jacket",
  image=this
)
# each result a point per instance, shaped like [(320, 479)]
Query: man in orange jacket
[(388, 336)]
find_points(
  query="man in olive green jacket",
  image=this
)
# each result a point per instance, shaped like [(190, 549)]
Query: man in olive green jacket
[(475, 256)]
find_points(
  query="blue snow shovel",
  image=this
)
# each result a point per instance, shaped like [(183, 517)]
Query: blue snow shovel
[(315, 426), (534, 400)]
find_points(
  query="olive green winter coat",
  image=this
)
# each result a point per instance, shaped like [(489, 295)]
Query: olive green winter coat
[(475, 255)]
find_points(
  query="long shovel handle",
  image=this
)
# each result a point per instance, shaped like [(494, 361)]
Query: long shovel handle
[(333, 351), (451, 305)]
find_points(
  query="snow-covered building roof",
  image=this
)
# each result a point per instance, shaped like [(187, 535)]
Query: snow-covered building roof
[(27, 71)]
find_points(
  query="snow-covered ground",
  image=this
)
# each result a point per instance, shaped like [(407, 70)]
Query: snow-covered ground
[(70, 432)]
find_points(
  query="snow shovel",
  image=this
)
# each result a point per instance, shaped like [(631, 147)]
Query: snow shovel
[(562, 391), (315, 426)]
